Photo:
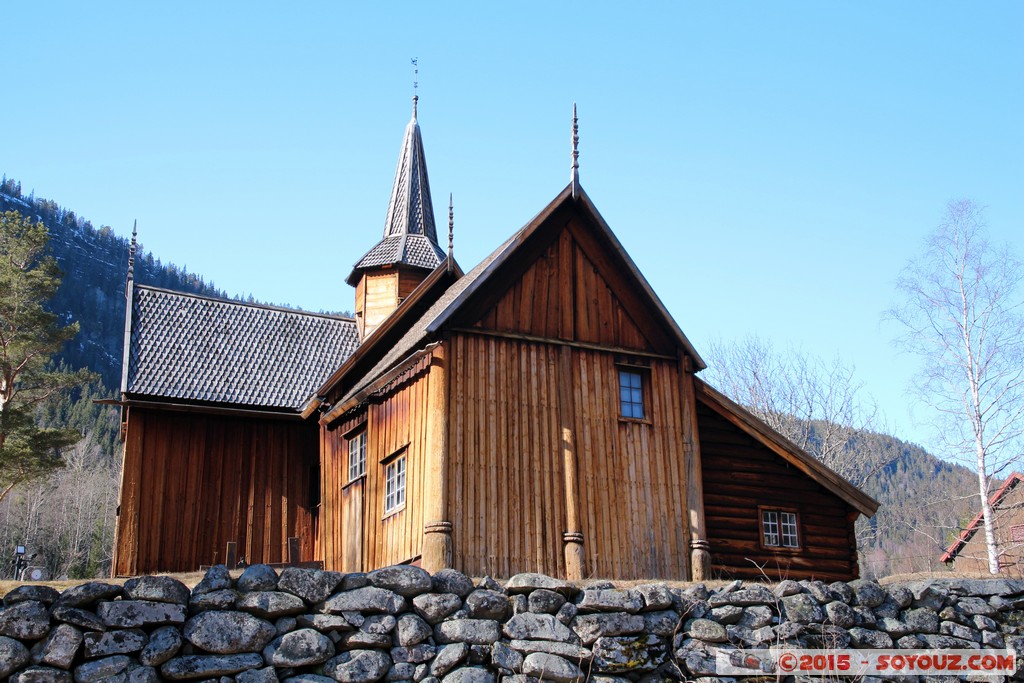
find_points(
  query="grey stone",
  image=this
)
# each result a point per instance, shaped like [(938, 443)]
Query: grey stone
[(655, 596), (361, 640), (312, 585), (802, 609), (164, 643), (324, 622), (265, 675), (566, 613), (219, 599), (697, 591), (819, 590), (544, 601), (576, 653), (865, 617), (910, 642), (894, 627), (369, 600), (530, 626), (451, 581), (697, 657), (729, 614), (258, 577), (940, 641), (619, 654), (755, 595), (953, 614), (358, 666), (927, 596), (270, 604), (304, 647), (208, 666), (449, 657), (381, 624), (901, 595), (24, 593), (416, 654), (412, 630), (307, 678), (487, 604), (526, 582), (228, 632), (842, 591), (504, 657), (520, 603), (114, 642), (472, 631), (840, 614), (58, 648), (353, 581), (787, 587), (706, 630), (950, 628), (921, 620), (468, 674), (983, 623), (285, 625), (551, 668), (826, 637), (750, 637), (868, 593), (489, 584), (403, 671), (609, 600), (993, 639), (41, 674), (135, 613), (590, 627), (434, 607), (77, 617), (86, 594), (663, 623), (866, 638), (25, 620), (98, 670), (404, 579), (786, 631), (13, 656), (756, 616), (143, 674), (972, 606), (216, 578), (157, 589)]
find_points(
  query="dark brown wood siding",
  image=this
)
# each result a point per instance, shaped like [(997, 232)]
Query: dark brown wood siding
[(193, 482), (507, 470), (740, 474)]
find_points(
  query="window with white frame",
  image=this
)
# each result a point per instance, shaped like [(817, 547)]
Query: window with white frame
[(631, 394), (394, 485), (357, 456), (779, 529)]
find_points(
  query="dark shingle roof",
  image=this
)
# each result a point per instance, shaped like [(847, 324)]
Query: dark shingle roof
[(411, 250), (194, 348)]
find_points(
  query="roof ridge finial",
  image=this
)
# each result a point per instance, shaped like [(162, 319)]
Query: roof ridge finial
[(575, 153), (415, 84), (131, 255), (451, 233)]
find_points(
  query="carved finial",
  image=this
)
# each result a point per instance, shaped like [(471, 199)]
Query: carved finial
[(131, 250), (575, 152), (451, 232), (415, 84)]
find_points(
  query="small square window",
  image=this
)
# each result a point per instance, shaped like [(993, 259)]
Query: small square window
[(394, 485), (779, 529), (631, 394), (357, 456)]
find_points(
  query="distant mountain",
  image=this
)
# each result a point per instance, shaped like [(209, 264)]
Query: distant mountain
[(924, 500)]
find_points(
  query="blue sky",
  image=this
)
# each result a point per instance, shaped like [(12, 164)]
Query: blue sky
[(769, 166)]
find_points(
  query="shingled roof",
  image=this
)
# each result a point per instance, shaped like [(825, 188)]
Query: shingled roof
[(978, 522), (193, 348)]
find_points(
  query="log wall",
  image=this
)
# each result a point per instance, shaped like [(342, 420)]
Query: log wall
[(192, 482), (740, 474)]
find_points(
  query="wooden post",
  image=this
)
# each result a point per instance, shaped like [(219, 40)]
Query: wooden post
[(231, 555), (437, 530), (572, 539), (700, 555)]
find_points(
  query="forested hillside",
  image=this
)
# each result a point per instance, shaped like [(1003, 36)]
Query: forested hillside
[(68, 519)]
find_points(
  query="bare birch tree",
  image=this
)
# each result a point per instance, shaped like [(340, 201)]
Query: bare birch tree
[(961, 314)]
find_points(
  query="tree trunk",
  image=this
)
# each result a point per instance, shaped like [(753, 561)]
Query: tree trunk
[(986, 515)]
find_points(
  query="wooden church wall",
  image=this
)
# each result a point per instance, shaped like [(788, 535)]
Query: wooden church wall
[(740, 474), (355, 532), (193, 482)]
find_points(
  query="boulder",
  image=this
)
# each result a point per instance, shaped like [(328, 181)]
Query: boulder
[(530, 626), (434, 607), (305, 647), (472, 631), (28, 620), (270, 604), (136, 613), (157, 589), (358, 666), (404, 579), (58, 649), (551, 668), (228, 632), (258, 577), (369, 600), (312, 585), (208, 666)]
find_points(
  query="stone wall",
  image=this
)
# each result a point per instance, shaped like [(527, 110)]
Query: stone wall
[(401, 624)]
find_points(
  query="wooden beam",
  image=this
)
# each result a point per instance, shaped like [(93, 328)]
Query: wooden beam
[(700, 557), (572, 538), (200, 408), (561, 342), (437, 528)]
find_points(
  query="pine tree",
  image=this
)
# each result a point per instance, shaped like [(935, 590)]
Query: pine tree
[(30, 335)]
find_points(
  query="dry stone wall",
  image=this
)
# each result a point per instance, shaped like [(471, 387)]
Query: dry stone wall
[(402, 624)]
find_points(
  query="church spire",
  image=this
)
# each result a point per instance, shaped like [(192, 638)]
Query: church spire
[(410, 235)]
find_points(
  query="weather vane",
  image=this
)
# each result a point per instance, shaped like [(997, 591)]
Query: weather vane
[(415, 75)]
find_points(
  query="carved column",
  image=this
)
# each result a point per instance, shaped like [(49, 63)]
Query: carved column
[(437, 530), (700, 549), (572, 539)]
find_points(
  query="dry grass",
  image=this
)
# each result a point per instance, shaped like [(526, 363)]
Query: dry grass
[(190, 579)]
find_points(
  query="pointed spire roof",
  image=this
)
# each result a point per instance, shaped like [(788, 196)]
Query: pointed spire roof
[(410, 236)]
